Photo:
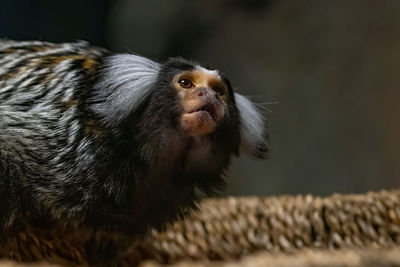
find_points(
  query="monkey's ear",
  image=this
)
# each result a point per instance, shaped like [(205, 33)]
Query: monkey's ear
[(124, 84), (253, 138)]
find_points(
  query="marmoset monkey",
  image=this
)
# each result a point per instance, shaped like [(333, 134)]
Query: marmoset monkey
[(116, 142)]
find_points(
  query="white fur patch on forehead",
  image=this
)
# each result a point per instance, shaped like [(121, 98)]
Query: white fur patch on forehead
[(252, 127), (209, 72), (125, 83)]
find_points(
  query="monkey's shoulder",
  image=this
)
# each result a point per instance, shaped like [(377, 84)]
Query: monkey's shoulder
[(8, 47)]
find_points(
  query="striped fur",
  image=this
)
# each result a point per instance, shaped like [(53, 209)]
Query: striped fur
[(41, 94), (90, 139)]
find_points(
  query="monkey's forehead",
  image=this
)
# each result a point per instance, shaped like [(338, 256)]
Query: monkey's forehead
[(200, 73)]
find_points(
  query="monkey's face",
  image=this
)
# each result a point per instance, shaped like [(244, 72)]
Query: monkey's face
[(204, 97)]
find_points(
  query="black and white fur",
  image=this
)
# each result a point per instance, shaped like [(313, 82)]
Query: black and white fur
[(91, 139)]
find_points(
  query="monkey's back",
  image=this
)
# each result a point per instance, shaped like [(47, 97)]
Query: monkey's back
[(43, 87), (37, 74)]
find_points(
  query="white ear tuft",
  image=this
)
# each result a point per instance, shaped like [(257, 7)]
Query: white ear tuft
[(252, 128), (125, 83)]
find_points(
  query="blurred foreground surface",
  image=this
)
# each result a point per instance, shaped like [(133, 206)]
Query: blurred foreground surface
[(309, 258), (232, 230)]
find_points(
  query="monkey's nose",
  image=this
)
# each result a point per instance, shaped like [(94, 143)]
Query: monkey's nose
[(202, 92)]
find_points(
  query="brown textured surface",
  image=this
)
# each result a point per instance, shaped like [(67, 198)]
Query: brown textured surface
[(234, 227), (31, 246), (226, 230), (307, 258)]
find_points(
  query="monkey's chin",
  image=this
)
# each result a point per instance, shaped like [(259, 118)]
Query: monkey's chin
[(198, 123)]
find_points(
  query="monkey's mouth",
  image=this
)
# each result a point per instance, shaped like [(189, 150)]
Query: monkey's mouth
[(207, 109), (200, 120)]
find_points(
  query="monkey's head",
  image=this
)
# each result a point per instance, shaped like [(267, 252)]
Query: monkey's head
[(204, 100)]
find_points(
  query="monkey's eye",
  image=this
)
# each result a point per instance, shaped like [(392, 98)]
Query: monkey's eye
[(219, 91), (185, 83)]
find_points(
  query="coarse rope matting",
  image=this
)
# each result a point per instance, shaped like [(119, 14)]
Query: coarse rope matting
[(306, 258), (249, 231)]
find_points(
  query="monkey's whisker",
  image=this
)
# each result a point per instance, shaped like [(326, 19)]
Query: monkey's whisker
[(128, 49), (270, 103), (263, 107)]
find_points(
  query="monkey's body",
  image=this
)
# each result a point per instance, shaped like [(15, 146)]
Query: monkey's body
[(89, 139)]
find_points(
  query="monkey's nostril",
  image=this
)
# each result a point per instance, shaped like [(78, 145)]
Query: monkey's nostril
[(200, 94)]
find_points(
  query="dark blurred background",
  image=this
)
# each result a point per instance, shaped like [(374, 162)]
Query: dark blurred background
[(327, 70)]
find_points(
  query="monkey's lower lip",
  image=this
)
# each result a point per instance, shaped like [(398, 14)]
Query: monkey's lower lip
[(207, 109), (201, 114), (198, 122)]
